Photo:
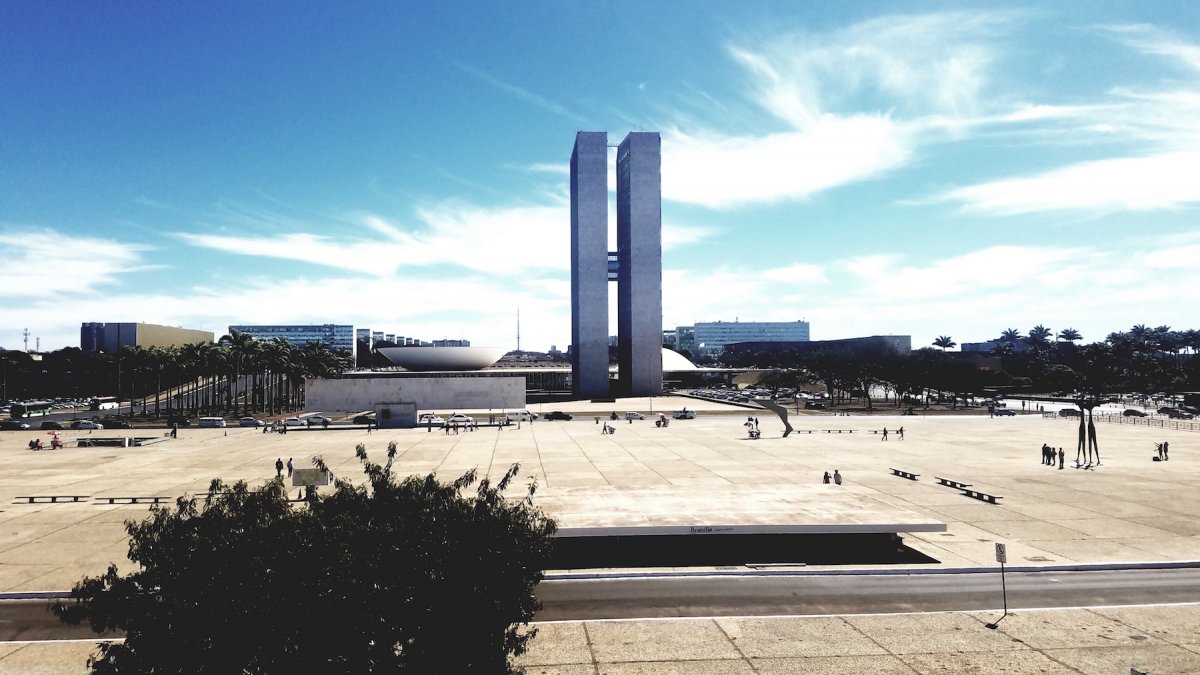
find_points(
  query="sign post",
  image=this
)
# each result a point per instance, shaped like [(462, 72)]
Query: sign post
[(1001, 557)]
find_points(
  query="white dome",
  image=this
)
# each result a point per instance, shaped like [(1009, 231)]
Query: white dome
[(443, 358), (673, 361)]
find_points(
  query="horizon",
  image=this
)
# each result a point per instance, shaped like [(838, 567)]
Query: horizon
[(926, 170)]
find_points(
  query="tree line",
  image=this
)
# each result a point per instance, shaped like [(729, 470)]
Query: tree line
[(1140, 360), (238, 374)]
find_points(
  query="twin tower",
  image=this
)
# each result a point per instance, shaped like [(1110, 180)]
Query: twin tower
[(636, 266)]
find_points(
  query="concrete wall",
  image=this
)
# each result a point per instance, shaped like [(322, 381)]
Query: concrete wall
[(427, 393), (589, 264)]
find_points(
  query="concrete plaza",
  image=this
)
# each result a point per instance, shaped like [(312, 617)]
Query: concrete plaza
[(1129, 509)]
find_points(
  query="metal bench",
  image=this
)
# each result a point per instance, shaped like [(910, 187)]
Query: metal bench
[(981, 496), (952, 483), (904, 474), (53, 499), (131, 500)]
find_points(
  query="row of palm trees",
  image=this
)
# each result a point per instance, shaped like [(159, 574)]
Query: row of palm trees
[(1138, 338), (238, 374), (1039, 336)]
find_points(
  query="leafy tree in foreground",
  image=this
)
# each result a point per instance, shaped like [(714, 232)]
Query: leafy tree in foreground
[(402, 576)]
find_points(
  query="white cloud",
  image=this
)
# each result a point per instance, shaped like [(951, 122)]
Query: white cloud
[(43, 263), (1125, 184)]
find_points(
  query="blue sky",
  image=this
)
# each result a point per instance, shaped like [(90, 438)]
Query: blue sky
[(874, 168)]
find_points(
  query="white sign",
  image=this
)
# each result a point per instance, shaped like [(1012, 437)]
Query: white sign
[(1001, 555)]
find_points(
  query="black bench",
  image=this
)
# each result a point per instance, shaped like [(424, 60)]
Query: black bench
[(132, 500), (981, 496), (53, 499), (904, 474), (952, 483)]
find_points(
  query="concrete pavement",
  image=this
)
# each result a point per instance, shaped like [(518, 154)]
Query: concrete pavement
[(1127, 509)]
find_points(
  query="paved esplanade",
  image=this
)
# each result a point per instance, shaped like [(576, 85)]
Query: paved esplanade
[(1128, 509)]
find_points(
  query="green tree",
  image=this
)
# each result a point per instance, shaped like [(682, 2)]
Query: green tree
[(1069, 335), (945, 342), (407, 575)]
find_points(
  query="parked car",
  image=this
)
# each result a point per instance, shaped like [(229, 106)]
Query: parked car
[(51, 425), (684, 414), (1068, 412), (559, 415), (116, 424), (250, 422), (13, 425), (1177, 414), (86, 424), (430, 420), (1005, 412), (459, 418), (293, 422), (180, 421), (520, 416), (1133, 412), (365, 418), (634, 416), (1165, 410)]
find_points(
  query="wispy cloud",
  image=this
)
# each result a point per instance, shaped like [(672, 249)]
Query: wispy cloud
[(520, 93), (43, 263)]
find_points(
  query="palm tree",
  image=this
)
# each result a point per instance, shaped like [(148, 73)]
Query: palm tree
[(1069, 335), (945, 342), (1039, 334), (1010, 335)]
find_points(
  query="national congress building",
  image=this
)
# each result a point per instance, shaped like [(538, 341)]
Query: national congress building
[(636, 265)]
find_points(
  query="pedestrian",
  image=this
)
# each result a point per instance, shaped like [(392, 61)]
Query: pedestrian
[(825, 480), (900, 433), (278, 467), (597, 419), (1166, 445), (290, 466), (884, 437), (1062, 459), (175, 430), (325, 422), (837, 477), (1045, 449), (755, 422)]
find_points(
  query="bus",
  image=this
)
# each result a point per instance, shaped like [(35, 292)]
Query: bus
[(104, 403), (31, 409)]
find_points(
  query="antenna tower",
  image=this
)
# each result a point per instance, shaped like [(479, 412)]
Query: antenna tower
[(25, 334)]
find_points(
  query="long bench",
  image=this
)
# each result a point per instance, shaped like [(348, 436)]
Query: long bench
[(981, 496), (952, 483), (52, 499), (132, 500), (828, 431), (904, 474)]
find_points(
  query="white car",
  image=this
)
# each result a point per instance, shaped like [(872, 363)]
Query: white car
[(293, 422), (684, 414), (634, 416), (250, 422), (86, 424), (430, 420), (459, 418)]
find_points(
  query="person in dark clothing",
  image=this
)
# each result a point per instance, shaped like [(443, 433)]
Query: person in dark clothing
[(278, 467)]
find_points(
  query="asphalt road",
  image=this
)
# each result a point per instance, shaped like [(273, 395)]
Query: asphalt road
[(774, 595)]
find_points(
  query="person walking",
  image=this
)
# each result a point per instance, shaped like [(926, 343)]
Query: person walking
[(837, 477), (278, 467), (900, 433), (884, 437), (1062, 459), (825, 480), (1166, 445), (289, 467)]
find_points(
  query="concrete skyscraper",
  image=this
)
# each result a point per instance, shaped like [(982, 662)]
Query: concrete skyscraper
[(636, 265)]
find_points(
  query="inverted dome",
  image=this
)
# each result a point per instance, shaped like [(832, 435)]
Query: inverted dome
[(443, 358), (674, 361)]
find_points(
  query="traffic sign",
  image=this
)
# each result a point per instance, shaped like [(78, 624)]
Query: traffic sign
[(1001, 555)]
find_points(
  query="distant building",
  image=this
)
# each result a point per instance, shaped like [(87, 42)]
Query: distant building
[(685, 339), (711, 337), (896, 344), (1017, 345), (336, 337), (376, 336), (451, 343), (110, 337), (363, 336)]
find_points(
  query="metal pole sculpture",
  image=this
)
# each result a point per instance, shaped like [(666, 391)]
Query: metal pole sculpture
[(778, 410)]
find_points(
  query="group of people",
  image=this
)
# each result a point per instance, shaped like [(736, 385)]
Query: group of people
[(279, 467), (1162, 449), (836, 478), (1049, 455), (884, 434), (752, 427), (55, 442)]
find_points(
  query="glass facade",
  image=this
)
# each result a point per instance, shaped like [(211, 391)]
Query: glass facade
[(334, 336), (711, 338)]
